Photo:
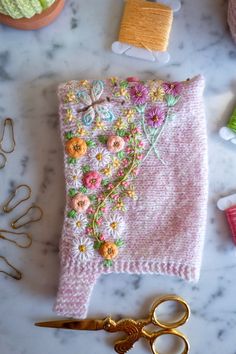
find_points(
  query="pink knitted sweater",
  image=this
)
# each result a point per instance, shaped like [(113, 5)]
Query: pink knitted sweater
[(136, 182)]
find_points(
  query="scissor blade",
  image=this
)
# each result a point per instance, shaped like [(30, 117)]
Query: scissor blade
[(80, 325)]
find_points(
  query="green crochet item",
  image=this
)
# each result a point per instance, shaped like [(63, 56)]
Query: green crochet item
[(23, 8)]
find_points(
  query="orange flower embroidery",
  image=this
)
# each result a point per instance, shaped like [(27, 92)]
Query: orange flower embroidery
[(76, 147), (108, 250)]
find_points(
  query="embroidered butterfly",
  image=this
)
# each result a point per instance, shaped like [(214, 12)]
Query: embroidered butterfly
[(94, 105)]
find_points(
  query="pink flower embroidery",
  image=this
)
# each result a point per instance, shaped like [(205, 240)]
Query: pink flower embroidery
[(172, 88), (155, 117), (115, 143), (80, 203), (139, 94), (92, 180)]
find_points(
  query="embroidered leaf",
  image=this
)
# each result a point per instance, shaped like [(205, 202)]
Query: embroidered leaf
[(105, 182), (72, 214), (72, 192), (124, 84), (140, 108), (84, 98), (88, 117), (97, 89), (121, 132), (119, 242), (90, 143), (121, 155), (69, 135), (107, 263), (85, 168), (83, 190), (93, 197), (102, 139), (171, 100), (97, 245), (71, 160)]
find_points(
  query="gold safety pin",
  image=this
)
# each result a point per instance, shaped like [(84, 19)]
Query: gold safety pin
[(18, 275), (8, 122), (36, 207), (23, 234), (3, 160), (7, 208)]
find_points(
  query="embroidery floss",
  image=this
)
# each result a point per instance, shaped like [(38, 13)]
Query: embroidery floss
[(228, 133), (228, 205), (145, 30)]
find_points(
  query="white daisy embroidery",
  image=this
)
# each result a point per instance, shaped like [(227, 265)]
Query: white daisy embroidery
[(114, 225), (74, 177), (100, 157), (82, 249), (78, 224)]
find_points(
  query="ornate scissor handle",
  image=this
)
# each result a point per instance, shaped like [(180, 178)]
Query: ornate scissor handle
[(165, 324), (173, 332)]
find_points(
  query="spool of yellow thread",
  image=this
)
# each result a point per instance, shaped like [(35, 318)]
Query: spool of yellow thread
[(145, 29)]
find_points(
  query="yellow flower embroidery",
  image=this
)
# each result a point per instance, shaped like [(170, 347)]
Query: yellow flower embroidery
[(120, 205), (107, 171), (116, 162), (70, 97), (99, 124), (114, 80), (69, 115), (81, 131), (84, 83), (157, 94), (120, 124), (131, 193), (129, 114)]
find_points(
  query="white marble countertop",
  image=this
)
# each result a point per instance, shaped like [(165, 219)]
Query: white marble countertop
[(77, 46)]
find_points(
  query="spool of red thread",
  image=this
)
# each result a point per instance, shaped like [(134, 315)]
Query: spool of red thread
[(231, 217)]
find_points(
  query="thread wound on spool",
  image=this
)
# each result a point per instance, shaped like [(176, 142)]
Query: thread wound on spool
[(232, 122), (146, 25), (231, 217)]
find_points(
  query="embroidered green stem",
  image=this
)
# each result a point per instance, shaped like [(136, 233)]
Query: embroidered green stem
[(150, 140), (132, 166), (155, 139)]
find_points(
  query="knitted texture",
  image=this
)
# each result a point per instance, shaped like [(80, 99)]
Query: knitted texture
[(232, 18), (23, 8), (136, 182)]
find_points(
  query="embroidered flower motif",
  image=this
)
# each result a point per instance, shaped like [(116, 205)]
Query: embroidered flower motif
[(108, 250), (80, 203), (99, 124), (139, 94), (129, 114), (76, 147), (70, 97), (69, 115), (172, 88), (99, 157), (82, 248), (157, 94), (93, 105), (115, 143), (114, 225), (73, 177), (81, 131), (79, 223), (92, 180), (107, 171), (155, 117), (119, 124)]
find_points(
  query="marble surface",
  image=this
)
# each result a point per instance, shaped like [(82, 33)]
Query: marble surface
[(77, 46)]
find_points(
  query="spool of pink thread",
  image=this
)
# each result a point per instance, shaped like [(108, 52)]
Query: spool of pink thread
[(232, 18), (231, 217)]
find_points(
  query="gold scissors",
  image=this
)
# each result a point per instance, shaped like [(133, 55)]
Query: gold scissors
[(134, 329)]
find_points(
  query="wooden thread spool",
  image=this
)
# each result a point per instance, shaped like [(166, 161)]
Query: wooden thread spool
[(146, 25)]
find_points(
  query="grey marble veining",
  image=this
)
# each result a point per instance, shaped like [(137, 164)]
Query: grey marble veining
[(77, 46)]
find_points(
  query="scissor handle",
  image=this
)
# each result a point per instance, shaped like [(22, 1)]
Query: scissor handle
[(170, 325), (173, 332)]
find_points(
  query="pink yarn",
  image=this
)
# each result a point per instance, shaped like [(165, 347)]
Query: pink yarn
[(165, 225), (232, 18)]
